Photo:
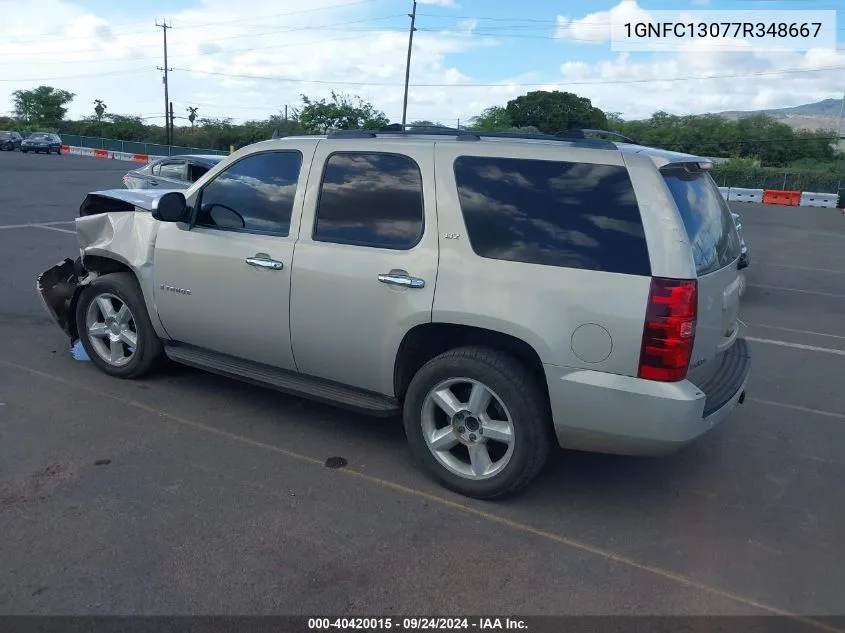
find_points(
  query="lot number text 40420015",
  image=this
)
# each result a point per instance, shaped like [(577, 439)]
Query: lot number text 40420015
[(416, 624)]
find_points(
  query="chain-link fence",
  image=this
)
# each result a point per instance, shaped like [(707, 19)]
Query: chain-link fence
[(779, 179), (134, 147)]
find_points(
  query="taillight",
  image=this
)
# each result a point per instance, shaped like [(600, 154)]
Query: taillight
[(669, 331)]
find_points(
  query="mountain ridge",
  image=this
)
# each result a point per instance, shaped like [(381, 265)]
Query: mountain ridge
[(819, 115)]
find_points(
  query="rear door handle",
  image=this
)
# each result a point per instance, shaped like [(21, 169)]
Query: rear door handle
[(262, 260), (401, 278)]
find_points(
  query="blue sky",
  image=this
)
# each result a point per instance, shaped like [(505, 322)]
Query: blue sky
[(109, 50)]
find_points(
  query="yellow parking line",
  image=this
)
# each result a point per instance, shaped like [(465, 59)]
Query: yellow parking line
[(443, 501)]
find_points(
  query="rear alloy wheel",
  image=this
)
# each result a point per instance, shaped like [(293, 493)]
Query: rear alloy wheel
[(478, 420), (114, 327)]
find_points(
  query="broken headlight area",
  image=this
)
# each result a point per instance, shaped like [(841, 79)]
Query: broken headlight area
[(58, 287)]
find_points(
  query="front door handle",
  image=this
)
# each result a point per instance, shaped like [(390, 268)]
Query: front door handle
[(262, 260), (401, 278)]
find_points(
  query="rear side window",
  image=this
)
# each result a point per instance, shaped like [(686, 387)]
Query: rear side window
[(555, 213), (707, 219), (370, 199), (173, 171)]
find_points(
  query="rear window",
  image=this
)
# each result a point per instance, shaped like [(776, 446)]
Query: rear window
[(5, 135), (707, 219), (554, 213)]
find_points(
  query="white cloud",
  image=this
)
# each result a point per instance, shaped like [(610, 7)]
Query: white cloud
[(638, 86), (318, 51), (595, 28), (443, 3), (116, 61)]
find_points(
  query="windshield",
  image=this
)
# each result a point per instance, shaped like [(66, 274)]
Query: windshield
[(707, 219), (5, 135), (39, 137)]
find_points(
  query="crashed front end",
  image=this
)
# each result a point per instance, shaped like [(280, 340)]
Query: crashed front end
[(116, 231), (58, 288)]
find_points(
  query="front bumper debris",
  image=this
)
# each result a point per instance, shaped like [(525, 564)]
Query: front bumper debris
[(58, 288)]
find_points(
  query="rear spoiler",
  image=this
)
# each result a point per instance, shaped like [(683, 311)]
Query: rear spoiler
[(691, 166)]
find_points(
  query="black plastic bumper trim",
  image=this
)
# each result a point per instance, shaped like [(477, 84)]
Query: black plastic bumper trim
[(728, 379)]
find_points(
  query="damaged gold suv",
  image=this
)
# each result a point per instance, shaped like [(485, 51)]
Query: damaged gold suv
[(504, 293)]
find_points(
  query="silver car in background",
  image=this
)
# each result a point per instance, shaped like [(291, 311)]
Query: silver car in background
[(172, 172), (743, 258)]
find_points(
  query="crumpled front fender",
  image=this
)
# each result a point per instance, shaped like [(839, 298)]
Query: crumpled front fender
[(59, 289)]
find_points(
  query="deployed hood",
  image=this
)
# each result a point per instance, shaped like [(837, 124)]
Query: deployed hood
[(109, 200)]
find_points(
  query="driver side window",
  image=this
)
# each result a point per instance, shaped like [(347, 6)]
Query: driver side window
[(254, 195)]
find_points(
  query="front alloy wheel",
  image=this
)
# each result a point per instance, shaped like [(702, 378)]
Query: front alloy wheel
[(467, 428), (111, 329), (115, 328)]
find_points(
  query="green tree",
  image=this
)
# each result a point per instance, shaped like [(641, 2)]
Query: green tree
[(492, 119), (41, 105), (192, 114), (342, 112), (553, 112)]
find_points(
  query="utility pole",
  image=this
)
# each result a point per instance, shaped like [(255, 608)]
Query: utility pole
[(172, 121), (839, 124), (167, 127), (413, 16)]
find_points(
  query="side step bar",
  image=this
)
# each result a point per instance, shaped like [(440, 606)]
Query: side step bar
[(288, 382)]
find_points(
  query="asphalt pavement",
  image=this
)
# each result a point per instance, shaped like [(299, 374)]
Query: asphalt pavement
[(187, 493)]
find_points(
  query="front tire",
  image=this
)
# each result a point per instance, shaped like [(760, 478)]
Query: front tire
[(478, 420), (115, 328)]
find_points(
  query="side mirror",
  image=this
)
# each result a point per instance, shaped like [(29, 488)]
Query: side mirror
[(171, 207)]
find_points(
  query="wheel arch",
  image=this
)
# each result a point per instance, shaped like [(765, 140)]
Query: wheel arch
[(105, 264), (423, 342)]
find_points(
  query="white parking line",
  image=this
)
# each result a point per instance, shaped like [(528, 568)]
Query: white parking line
[(789, 329), (34, 224), (795, 407), (819, 270), (810, 348), (54, 228), (806, 292)]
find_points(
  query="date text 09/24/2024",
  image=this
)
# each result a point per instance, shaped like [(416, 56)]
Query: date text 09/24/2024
[(416, 624)]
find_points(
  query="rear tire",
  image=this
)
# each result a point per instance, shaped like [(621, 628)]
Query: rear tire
[(510, 408), (115, 328)]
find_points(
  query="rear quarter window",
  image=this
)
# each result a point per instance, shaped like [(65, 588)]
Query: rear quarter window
[(553, 213), (707, 219)]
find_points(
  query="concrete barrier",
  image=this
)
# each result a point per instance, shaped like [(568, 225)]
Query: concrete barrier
[(738, 194), (812, 199), (725, 191), (776, 196)]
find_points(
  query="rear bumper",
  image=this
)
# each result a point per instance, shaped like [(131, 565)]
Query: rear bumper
[(608, 413)]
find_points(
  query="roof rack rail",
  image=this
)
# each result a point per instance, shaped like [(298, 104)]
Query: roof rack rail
[(584, 131), (578, 140)]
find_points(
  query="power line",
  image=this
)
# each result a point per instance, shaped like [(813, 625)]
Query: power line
[(219, 52), (513, 83), (201, 25), (127, 71), (283, 30)]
